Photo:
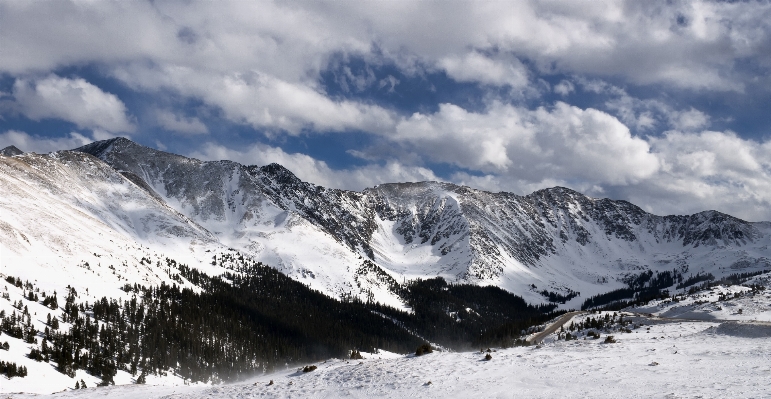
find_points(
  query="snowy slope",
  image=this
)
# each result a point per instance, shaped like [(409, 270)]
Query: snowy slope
[(43, 377), (686, 359), (69, 219), (665, 355), (160, 203), (266, 212), (555, 239)]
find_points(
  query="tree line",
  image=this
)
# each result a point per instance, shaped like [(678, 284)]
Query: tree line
[(252, 319)]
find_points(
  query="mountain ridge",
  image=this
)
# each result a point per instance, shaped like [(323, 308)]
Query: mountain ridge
[(457, 232), (555, 239)]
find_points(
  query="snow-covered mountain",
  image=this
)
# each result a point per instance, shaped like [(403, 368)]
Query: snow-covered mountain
[(70, 219), (344, 242)]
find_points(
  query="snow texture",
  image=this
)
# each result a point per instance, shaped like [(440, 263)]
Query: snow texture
[(667, 359)]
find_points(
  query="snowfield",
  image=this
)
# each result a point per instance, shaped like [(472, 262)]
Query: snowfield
[(670, 360)]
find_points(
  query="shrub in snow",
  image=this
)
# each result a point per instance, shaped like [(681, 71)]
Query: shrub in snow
[(423, 349), (308, 369), (610, 340), (36, 355), (521, 342), (488, 357), (355, 355)]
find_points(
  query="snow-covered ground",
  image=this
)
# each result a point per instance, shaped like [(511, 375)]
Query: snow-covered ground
[(669, 360), (742, 304), (662, 355)]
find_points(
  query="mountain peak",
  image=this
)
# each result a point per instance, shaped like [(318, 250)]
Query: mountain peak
[(280, 174), (557, 193), (99, 148), (10, 151)]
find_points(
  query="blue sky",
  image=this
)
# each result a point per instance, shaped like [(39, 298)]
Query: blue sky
[(661, 104)]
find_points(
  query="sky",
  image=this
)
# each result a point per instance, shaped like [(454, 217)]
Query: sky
[(663, 104)]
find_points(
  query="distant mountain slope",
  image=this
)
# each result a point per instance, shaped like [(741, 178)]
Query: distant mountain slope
[(364, 243), (305, 231), (10, 151), (556, 239), (70, 219)]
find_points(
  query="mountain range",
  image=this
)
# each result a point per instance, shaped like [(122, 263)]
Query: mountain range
[(115, 209)]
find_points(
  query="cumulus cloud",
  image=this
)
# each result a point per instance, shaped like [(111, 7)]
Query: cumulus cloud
[(645, 114), (476, 67), (691, 119), (564, 88), (41, 145), (532, 145), (180, 124), (708, 170), (263, 101), (318, 172), (261, 65), (693, 44), (677, 173), (73, 100), (698, 172)]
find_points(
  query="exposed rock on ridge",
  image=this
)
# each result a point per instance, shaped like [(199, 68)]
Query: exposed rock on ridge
[(554, 238)]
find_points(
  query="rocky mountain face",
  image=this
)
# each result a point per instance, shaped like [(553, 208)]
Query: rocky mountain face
[(10, 151), (360, 243)]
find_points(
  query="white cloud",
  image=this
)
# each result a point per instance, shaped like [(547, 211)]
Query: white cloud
[(678, 173), (565, 142), (315, 171), (390, 82), (641, 42), (42, 145), (263, 101), (359, 82), (261, 62), (476, 67), (691, 119), (699, 171), (708, 170), (180, 124), (646, 114), (564, 88), (73, 100)]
